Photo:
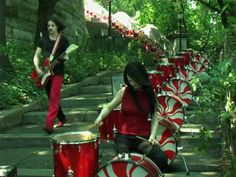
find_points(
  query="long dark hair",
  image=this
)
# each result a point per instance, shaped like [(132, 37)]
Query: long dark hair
[(58, 23), (137, 72)]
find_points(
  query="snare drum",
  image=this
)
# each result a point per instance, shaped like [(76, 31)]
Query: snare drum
[(127, 165), (110, 125), (75, 154), (178, 88)]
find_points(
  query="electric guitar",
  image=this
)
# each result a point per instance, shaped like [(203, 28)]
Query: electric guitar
[(47, 68)]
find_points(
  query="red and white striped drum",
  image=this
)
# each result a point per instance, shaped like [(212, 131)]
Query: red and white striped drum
[(167, 142), (155, 78), (178, 61), (178, 88), (130, 165), (201, 59), (167, 69), (110, 125), (196, 66), (172, 112), (75, 154), (185, 74)]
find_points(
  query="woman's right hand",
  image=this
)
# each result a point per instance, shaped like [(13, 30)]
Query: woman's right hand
[(39, 71)]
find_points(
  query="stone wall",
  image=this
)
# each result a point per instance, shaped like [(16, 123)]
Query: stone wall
[(21, 20)]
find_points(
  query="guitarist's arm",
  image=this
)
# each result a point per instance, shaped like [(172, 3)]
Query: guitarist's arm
[(36, 59)]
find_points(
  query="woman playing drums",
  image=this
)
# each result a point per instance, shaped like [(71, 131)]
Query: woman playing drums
[(138, 116)]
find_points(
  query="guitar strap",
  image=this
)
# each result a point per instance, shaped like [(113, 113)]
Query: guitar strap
[(55, 48)]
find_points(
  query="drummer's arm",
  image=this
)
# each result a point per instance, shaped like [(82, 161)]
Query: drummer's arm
[(154, 127), (110, 106)]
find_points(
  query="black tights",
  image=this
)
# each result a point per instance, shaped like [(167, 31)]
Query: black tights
[(129, 144)]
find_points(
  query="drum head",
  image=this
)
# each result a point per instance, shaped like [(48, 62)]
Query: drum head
[(75, 137)]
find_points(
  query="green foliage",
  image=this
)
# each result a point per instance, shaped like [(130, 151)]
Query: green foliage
[(212, 87)]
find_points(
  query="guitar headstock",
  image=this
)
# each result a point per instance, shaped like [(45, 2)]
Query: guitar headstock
[(71, 48)]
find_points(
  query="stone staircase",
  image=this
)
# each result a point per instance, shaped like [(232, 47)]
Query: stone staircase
[(28, 148)]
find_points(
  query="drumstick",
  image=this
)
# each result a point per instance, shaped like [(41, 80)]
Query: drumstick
[(144, 139)]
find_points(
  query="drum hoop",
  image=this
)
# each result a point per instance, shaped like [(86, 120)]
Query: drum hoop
[(94, 138), (165, 64), (174, 57)]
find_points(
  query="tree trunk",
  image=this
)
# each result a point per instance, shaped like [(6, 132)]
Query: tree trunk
[(4, 61), (45, 10)]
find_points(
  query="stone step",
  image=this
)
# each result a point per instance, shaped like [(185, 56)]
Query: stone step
[(86, 100), (95, 89), (86, 114)]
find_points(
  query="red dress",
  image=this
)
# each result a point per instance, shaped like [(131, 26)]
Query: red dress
[(134, 121)]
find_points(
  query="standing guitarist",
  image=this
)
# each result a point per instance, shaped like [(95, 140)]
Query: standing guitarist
[(51, 47)]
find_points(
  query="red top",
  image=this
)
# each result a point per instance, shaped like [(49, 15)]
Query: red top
[(133, 120)]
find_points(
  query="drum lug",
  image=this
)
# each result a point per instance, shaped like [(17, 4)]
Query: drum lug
[(95, 145), (70, 173), (79, 148)]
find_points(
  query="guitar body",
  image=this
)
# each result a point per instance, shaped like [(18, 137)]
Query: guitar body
[(40, 81)]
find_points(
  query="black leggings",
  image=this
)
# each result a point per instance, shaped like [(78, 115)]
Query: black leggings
[(129, 144)]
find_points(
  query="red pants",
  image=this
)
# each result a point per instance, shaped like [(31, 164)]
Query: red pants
[(55, 84)]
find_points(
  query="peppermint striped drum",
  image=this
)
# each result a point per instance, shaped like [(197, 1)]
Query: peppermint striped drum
[(172, 112), (185, 74), (179, 89), (196, 66), (201, 59), (130, 165), (167, 142)]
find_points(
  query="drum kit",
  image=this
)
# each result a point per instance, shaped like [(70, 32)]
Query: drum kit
[(76, 154)]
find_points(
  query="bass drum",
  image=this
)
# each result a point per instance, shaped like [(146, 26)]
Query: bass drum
[(130, 165)]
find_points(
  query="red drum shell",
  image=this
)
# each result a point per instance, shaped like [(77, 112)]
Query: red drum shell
[(127, 165), (155, 78), (178, 61), (167, 69), (110, 125), (77, 152), (186, 56)]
